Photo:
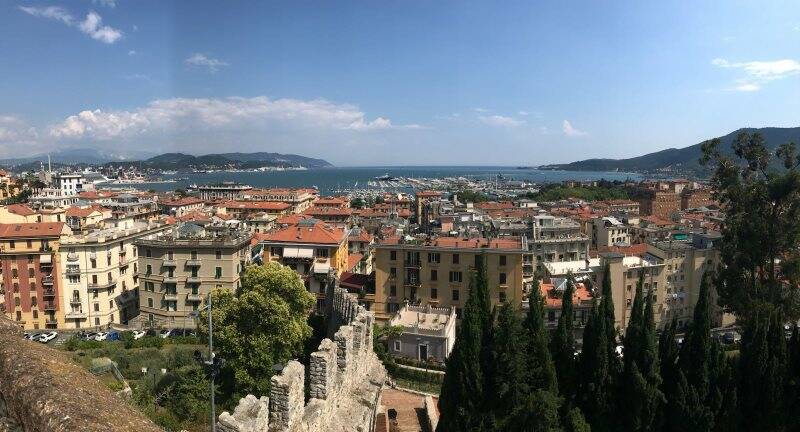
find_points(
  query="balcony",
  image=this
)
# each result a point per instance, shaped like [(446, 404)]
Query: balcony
[(169, 263), (170, 279), (194, 297), (48, 306), (72, 271), (412, 263), (51, 322), (49, 292), (193, 262), (193, 279), (170, 296), (102, 285), (413, 283), (75, 315), (72, 257), (47, 280), (75, 300)]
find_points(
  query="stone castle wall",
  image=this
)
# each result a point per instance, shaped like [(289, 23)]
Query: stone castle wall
[(345, 379)]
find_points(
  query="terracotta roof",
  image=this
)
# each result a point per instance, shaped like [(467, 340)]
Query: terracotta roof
[(464, 243), (257, 205), (20, 209), (353, 260), (28, 230), (353, 280), (360, 235), (632, 250), (330, 211), (80, 212), (580, 294), (428, 194), (491, 205), (96, 194), (330, 201), (181, 202), (308, 232), (292, 219), (194, 216)]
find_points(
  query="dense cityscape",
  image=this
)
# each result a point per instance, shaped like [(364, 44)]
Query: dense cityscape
[(415, 216)]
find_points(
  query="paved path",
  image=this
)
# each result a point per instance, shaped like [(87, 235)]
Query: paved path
[(410, 409)]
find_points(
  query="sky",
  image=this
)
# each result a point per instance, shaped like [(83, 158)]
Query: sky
[(394, 82)]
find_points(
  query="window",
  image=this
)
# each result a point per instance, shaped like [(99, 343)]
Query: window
[(218, 272), (218, 254), (455, 259), (392, 272), (193, 254), (434, 258), (148, 253), (455, 295), (94, 279), (322, 253), (94, 263), (503, 279), (14, 273), (551, 316), (392, 255), (434, 275), (434, 293), (170, 255), (392, 291), (502, 260), (111, 304), (397, 345), (12, 245), (502, 297), (96, 307), (455, 276), (30, 273), (149, 269)]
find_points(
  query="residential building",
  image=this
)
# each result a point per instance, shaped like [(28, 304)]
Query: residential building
[(243, 210), (337, 216), (124, 205), (299, 199), (181, 206), (614, 206), (178, 267), (696, 198), (557, 239), (100, 277), (663, 204), (437, 271), (315, 250), (553, 295), (429, 333), (224, 190), (30, 267), (609, 231), (68, 184), (359, 249)]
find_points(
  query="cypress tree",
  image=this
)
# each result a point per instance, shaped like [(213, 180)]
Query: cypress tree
[(793, 375), (541, 371), (668, 362), (638, 389), (696, 351), (461, 398), (607, 312), (563, 343), (594, 384), (510, 383)]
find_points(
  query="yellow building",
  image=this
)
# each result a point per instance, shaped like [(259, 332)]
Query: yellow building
[(437, 272), (30, 268), (315, 250)]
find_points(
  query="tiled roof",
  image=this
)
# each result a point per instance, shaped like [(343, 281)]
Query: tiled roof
[(330, 211), (28, 230), (80, 212), (330, 201), (353, 260), (312, 233), (185, 201), (257, 205), (292, 219), (580, 294), (464, 243), (21, 209)]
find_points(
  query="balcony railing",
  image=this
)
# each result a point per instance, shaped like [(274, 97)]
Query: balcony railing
[(75, 315), (49, 292), (192, 279), (49, 306), (102, 285), (47, 280), (194, 297), (169, 263), (412, 263), (73, 271), (193, 262), (170, 279), (171, 296), (75, 300)]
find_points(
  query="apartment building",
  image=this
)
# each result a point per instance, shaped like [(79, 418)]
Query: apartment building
[(557, 239), (181, 206), (659, 203), (337, 216), (178, 267), (624, 206), (315, 250), (100, 277), (224, 190), (608, 231), (299, 199), (243, 210), (696, 198), (30, 266), (438, 271)]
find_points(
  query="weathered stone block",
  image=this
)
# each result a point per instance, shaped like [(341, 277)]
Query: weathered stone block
[(287, 398)]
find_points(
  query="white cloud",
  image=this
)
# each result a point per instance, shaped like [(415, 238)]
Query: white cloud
[(191, 115), (480, 110), (201, 60), (502, 121), (132, 53), (106, 3), (91, 25), (51, 12), (570, 131), (759, 72), (15, 132)]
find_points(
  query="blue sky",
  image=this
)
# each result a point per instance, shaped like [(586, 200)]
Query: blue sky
[(394, 82)]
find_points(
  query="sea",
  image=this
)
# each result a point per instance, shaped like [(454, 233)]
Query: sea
[(330, 179)]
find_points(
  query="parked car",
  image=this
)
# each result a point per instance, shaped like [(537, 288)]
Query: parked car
[(166, 333), (113, 336), (88, 336), (35, 336), (730, 338), (138, 334), (26, 336), (47, 337), (101, 336)]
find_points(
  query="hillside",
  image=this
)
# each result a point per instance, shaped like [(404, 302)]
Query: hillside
[(679, 161)]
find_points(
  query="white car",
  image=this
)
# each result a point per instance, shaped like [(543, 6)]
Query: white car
[(47, 337), (138, 334), (101, 336), (165, 334)]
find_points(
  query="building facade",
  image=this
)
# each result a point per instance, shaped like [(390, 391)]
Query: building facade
[(177, 268)]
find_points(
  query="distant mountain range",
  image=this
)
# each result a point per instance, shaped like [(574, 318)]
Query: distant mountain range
[(678, 161), (167, 161)]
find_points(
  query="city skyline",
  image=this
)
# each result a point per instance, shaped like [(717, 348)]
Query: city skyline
[(390, 84)]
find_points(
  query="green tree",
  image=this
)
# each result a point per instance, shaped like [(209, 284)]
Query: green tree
[(563, 343), (510, 383), (670, 376), (263, 324), (541, 371), (461, 398), (594, 388), (762, 225), (638, 391)]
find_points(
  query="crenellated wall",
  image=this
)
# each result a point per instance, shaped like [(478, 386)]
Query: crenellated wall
[(345, 379)]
